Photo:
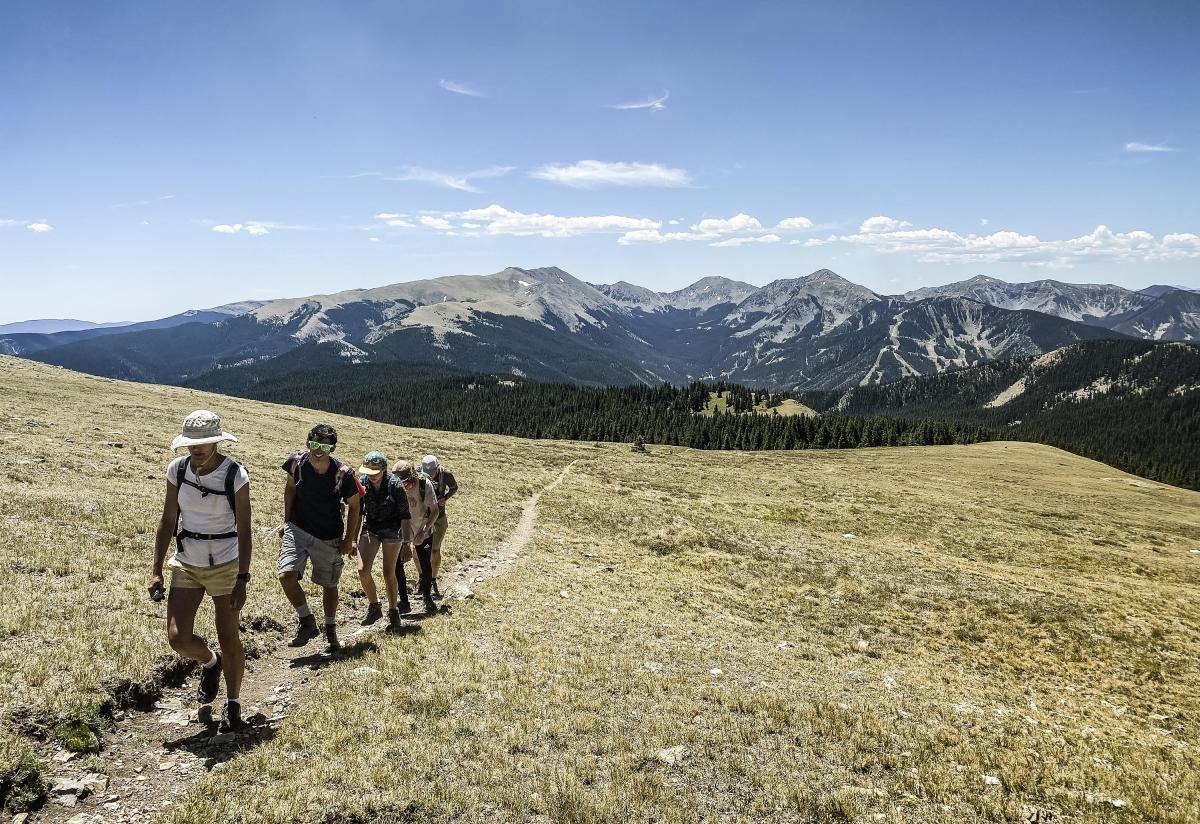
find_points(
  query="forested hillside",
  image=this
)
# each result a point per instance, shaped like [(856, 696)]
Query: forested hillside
[(389, 393), (1132, 404)]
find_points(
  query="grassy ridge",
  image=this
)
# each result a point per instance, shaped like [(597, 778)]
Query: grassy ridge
[(891, 628)]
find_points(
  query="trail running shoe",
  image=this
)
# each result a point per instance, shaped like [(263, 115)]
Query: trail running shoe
[(306, 630), (436, 594), (210, 682), (393, 619), (231, 718), (405, 606), (332, 644), (374, 613), (430, 606)]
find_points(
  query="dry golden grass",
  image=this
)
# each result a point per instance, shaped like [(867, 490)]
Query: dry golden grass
[(891, 627), (718, 402)]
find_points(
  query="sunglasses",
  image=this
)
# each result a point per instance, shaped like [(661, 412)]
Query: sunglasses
[(318, 446), (407, 479)]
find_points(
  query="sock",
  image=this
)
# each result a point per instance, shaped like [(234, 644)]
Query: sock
[(330, 620), (237, 701), (212, 662), (303, 611)]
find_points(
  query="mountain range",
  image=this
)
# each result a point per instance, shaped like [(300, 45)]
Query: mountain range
[(820, 331)]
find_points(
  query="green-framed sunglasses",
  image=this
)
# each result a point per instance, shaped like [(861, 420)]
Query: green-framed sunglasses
[(323, 447)]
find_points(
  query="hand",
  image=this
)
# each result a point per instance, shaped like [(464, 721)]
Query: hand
[(406, 551), (239, 596), (279, 532), (155, 586), (347, 546)]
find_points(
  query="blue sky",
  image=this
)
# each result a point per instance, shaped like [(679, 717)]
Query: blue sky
[(161, 156)]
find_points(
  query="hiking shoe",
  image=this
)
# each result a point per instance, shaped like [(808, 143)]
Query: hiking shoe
[(210, 682), (374, 613), (332, 644), (430, 606), (393, 619), (306, 630), (231, 718), (436, 594), (405, 606)]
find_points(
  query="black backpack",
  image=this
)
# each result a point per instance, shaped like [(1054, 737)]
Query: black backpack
[(230, 477)]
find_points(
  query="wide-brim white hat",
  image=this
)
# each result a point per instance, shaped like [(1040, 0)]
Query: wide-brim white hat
[(199, 428)]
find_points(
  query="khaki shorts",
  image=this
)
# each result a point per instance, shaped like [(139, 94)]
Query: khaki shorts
[(215, 580), (439, 528), (298, 548)]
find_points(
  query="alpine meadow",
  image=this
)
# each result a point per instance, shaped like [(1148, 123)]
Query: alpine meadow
[(952, 633), (619, 413)]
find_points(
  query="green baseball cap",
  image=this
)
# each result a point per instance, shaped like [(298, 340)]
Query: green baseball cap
[(373, 464)]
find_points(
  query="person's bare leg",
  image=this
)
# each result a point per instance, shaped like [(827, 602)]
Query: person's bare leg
[(367, 548), (435, 557), (390, 553), (329, 601), (233, 655), (181, 618), (292, 589)]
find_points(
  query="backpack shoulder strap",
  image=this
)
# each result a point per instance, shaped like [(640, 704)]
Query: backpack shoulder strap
[(182, 473), (297, 460), (230, 477)]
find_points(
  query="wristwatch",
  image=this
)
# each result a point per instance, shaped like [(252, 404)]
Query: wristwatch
[(244, 577)]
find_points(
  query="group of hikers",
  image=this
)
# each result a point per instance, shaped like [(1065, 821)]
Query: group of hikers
[(330, 512)]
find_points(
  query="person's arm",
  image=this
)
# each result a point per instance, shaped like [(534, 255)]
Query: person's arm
[(162, 538), (245, 543), (353, 522), (451, 488), (289, 497)]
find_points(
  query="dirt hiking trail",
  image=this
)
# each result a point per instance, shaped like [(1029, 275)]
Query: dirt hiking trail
[(160, 747)]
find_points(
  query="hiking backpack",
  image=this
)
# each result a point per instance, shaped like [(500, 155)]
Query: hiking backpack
[(297, 461), (181, 480)]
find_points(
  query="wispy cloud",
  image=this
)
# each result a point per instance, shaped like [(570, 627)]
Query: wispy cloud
[(654, 104), (148, 202), (1149, 148), (40, 227), (451, 180), (461, 88), (590, 173), (10, 222)]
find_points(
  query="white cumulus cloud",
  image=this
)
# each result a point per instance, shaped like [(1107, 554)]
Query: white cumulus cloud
[(589, 173), (937, 245), (395, 220), (253, 228), (497, 220), (741, 241), (39, 227), (794, 224)]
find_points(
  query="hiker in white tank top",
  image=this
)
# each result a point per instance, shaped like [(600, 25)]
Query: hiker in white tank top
[(206, 512)]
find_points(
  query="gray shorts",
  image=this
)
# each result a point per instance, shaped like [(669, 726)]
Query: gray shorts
[(298, 548)]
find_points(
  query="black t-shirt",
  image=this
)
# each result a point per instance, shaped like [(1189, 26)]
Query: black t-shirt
[(317, 507), (385, 507)]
